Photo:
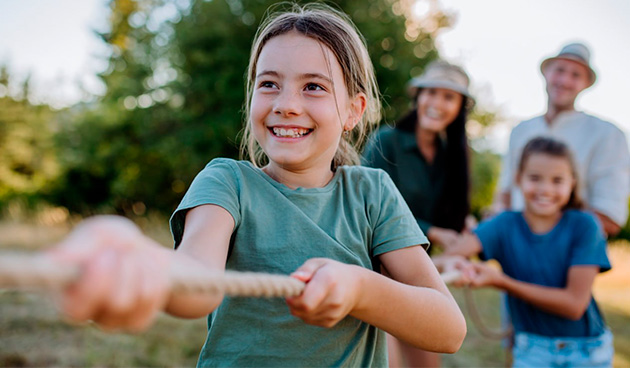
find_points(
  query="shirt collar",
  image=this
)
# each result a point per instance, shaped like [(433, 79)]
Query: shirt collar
[(407, 141)]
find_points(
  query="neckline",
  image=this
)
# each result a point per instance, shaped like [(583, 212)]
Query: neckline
[(283, 188), (540, 235)]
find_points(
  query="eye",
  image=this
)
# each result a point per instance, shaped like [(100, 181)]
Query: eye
[(314, 87), (267, 84), (558, 180), (534, 177), (450, 97)]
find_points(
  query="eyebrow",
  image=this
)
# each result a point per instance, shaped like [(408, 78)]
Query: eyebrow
[(303, 76)]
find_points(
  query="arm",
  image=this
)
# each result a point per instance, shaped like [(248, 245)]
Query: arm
[(608, 184), (569, 302), (419, 309), (467, 246), (610, 227), (196, 251), (442, 237), (124, 281)]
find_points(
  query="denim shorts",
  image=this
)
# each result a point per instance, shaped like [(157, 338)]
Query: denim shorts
[(532, 350)]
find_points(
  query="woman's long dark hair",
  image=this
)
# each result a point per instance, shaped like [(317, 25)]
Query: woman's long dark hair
[(453, 205)]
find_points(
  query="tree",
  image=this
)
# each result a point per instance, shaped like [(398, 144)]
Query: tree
[(175, 92), (27, 163)]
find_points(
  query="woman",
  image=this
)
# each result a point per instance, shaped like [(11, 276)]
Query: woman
[(426, 155)]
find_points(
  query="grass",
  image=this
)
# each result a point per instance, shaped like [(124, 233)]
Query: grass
[(32, 334)]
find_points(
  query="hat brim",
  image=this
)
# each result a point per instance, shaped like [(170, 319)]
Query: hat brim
[(417, 83), (591, 72)]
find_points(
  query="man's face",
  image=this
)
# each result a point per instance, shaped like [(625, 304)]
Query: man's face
[(565, 80)]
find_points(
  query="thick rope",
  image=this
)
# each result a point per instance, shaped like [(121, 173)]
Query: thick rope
[(20, 271), (23, 271)]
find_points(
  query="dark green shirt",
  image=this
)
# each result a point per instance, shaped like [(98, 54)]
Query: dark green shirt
[(419, 182)]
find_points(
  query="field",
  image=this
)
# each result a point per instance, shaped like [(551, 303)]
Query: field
[(32, 334)]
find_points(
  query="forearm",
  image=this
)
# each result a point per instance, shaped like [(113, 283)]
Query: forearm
[(558, 301), (190, 304), (427, 318), (608, 225)]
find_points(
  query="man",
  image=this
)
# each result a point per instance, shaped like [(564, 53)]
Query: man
[(599, 147)]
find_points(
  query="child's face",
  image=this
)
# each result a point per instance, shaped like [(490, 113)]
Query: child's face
[(546, 182), (438, 108), (300, 104)]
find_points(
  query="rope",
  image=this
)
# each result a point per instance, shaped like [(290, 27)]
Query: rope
[(477, 321), (25, 271), (21, 271)]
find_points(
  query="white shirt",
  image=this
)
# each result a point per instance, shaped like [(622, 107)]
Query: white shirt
[(599, 149)]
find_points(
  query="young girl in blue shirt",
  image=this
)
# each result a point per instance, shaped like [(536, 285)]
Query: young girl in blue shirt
[(298, 207), (550, 254)]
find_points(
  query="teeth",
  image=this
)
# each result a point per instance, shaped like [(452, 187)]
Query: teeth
[(432, 113), (290, 132)]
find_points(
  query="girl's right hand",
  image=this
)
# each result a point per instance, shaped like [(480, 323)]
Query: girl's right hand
[(123, 281), (330, 294)]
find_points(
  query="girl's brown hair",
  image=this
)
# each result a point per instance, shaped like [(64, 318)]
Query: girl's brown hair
[(335, 30), (555, 148)]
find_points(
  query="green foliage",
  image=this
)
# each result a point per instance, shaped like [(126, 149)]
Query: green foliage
[(176, 90), (485, 167), (27, 163)]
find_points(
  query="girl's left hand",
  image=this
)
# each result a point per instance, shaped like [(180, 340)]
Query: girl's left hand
[(485, 275), (330, 294)]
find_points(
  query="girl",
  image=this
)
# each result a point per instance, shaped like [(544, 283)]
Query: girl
[(295, 208), (550, 254), (426, 155)]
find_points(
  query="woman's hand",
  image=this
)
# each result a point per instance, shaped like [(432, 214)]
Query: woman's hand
[(467, 245), (124, 274), (330, 294), (442, 237), (447, 264)]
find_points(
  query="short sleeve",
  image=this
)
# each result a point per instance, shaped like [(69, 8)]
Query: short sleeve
[(216, 184), (489, 236), (589, 245), (395, 227), (609, 177)]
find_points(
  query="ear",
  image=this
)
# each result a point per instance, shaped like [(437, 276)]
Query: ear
[(358, 104)]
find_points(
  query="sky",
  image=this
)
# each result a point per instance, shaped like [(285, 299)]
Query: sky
[(500, 43)]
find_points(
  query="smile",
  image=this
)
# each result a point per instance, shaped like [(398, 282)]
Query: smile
[(289, 132)]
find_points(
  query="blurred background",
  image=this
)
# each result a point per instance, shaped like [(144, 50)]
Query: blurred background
[(113, 106)]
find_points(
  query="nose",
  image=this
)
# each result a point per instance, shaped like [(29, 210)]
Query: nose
[(545, 187), (287, 103)]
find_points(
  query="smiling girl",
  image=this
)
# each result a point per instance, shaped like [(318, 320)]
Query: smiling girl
[(298, 207), (550, 254)]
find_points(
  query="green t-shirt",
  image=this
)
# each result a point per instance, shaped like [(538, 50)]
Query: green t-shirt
[(356, 217)]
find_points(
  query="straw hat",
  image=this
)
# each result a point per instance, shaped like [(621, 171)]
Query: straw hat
[(440, 74), (575, 52)]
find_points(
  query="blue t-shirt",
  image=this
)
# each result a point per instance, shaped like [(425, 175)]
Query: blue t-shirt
[(545, 259), (356, 217)]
